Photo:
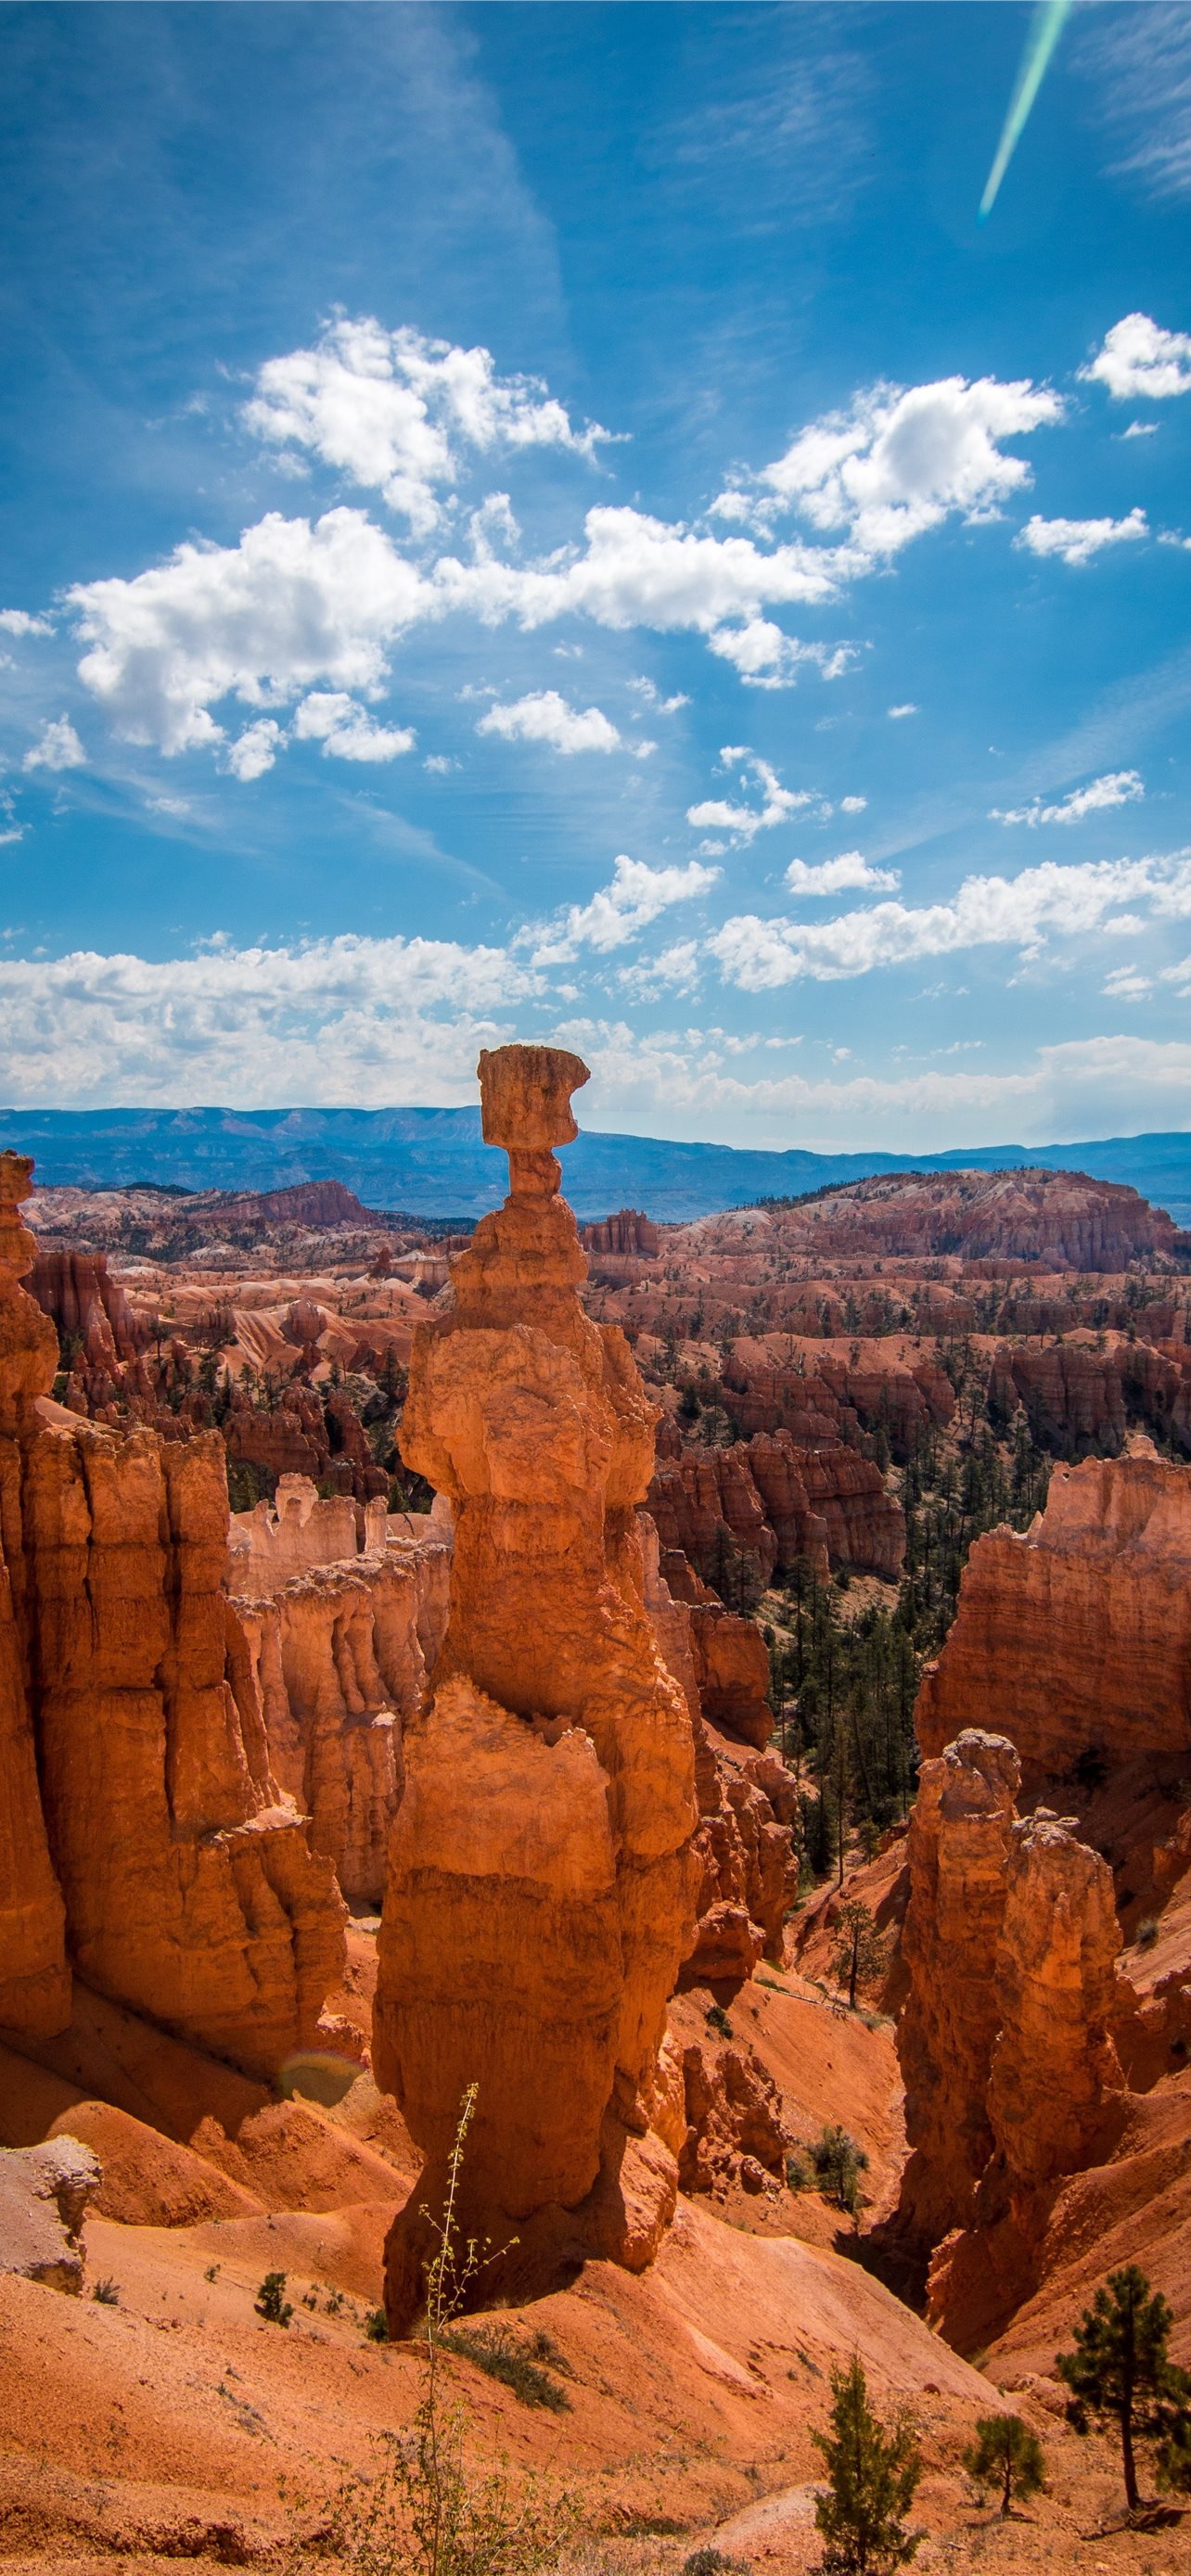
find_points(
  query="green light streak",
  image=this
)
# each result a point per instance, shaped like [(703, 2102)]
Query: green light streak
[(1046, 27)]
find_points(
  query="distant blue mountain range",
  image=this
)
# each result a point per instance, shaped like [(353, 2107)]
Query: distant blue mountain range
[(433, 1162)]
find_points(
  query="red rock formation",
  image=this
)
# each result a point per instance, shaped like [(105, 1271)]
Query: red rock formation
[(866, 1527), (190, 1890), (1076, 1638), (1071, 1392), (541, 1877), (733, 2114), (74, 1290), (337, 1663), (1061, 1218), (627, 1232), (1055, 2090), (732, 1673), (34, 1977), (959, 1844)]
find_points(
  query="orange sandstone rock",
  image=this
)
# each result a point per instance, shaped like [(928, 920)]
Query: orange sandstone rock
[(34, 1977), (959, 1843), (1076, 1638), (541, 1881)]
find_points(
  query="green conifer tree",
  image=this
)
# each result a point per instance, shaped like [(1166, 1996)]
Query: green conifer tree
[(872, 2472), (1006, 2454), (1121, 2367)]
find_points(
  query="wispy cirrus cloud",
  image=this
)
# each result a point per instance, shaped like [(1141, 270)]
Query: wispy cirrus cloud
[(1119, 787), (1140, 62)]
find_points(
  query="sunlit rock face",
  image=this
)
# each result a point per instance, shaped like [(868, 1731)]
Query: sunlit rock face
[(143, 1836), (1075, 1639), (541, 1881)]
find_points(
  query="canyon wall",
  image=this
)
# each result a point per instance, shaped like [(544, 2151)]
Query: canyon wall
[(542, 1877), (775, 1502), (1075, 1639), (151, 1843)]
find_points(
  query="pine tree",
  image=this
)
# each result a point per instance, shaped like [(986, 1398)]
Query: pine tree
[(1121, 2366), (1006, 2453), (859, 1949), (872, 2472)]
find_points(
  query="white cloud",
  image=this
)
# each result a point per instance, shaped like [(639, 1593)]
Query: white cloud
[(899, 462), (17, 621), (440, 764), (1077, 540), (657, 704), (1139, 358), (635, 898), (545, 716), (743, 822), (345, 731), (382, 1020), (639, 571), (57, 747), (1125, 984), (985, 911), (1141, 429), (1096, 1086), (908, 708), (768, 659), (852, 804), (255, 750), (1121, 787), (392, 410), (293, 604), (834, 876), (675, 971)]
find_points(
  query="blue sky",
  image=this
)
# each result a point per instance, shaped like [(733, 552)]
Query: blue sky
[(557, 522)]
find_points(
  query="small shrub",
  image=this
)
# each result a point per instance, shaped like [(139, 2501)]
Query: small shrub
[(107, 2292), (212, 2272), (494, 2350), (271, 2301), (800, 2171), (717, 2020), (839, 2163), (1147, 1933), (712, 2562), (376, 2325)]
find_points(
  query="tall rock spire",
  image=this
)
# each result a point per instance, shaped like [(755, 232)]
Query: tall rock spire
[(540, 1893)]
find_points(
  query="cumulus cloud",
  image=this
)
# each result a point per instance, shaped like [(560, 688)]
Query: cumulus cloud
[(635, 898), (383, 1020), (346, 731), (1126, 984), (293, 604), (768, 659), (901, 461), (17, 621), (545, 716), (776, 804), (986, 911), (676, 970), (907, 708), (57, 747), (392, 410), (1120, 787), (1139, 358), (852, 804), (635, 570), (835, 876), (1075, 541), (254, 751)]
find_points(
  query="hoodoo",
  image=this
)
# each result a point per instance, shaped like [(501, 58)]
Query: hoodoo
[(541, 1881)]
